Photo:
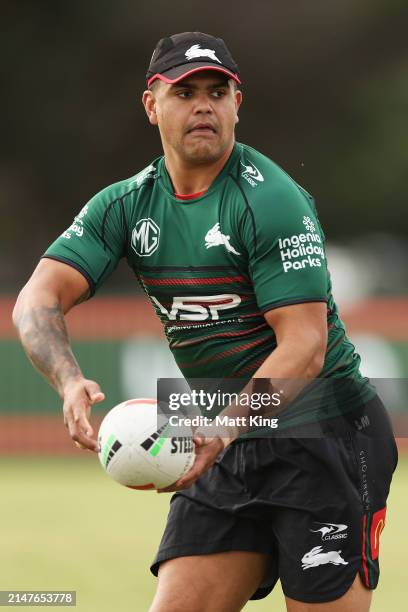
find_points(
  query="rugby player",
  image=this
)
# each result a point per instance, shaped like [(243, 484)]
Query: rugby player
[(230, 251)]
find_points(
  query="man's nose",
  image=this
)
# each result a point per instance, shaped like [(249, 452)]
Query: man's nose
[(203, 104)]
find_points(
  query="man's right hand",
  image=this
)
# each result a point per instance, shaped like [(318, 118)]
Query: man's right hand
[(79, 395)]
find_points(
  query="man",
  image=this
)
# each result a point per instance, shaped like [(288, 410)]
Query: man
[(230, 251)]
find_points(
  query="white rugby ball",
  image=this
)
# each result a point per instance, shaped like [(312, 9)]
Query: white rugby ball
[(137, 448)]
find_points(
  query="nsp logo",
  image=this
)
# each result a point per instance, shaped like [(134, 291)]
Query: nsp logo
[(198, 307), (145, 237)]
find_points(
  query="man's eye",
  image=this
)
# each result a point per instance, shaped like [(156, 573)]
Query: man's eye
[(219, 93), (184, 94)]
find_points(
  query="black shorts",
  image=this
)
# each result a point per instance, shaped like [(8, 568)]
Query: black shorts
[(315, 505)]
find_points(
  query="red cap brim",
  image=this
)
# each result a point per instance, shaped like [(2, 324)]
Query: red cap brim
[(171, 76)]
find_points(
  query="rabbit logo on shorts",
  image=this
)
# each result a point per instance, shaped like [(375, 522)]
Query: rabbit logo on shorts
[(316, 557)]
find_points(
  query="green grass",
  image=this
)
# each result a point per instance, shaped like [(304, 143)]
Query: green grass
[(66, 526)]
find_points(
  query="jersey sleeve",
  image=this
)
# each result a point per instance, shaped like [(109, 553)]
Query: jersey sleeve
[(285, 246), (95, 241)]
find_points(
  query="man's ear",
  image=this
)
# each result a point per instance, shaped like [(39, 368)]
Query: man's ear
[(238, 102), (149, 102)]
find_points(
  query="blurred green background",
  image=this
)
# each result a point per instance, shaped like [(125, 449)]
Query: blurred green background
[(326, 97)]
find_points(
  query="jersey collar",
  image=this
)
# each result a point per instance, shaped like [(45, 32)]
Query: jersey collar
[(166, 184)]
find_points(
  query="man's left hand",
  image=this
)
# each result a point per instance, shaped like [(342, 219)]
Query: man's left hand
[(206, 452)]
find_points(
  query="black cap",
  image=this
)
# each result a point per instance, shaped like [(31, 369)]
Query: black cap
[(180, 55)]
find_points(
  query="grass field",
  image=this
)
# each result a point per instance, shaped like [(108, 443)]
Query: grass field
[(67, 526)]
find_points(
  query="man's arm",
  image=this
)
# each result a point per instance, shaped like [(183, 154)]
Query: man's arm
[(301, 335), (53, 289)]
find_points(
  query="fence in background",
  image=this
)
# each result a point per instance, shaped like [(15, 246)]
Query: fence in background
[(119, 342)]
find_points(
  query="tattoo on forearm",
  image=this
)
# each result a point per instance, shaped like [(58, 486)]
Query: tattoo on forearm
[(45, 339)]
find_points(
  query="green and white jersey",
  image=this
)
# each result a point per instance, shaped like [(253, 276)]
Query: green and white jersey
[(214, 264)]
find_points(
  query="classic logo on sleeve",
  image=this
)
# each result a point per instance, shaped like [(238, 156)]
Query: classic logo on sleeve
[(149, 172), (252, 175), (301, 251), (77, 226), (145, 237)]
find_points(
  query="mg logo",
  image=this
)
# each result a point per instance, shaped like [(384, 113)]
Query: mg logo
[(145, 237)]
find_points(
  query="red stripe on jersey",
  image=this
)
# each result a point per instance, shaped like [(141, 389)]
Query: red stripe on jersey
[(231, 334), (250, 367), (194, 281), (231, 351)]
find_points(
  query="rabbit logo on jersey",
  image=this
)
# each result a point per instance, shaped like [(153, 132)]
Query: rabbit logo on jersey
[(302, 250), (214, 237)]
